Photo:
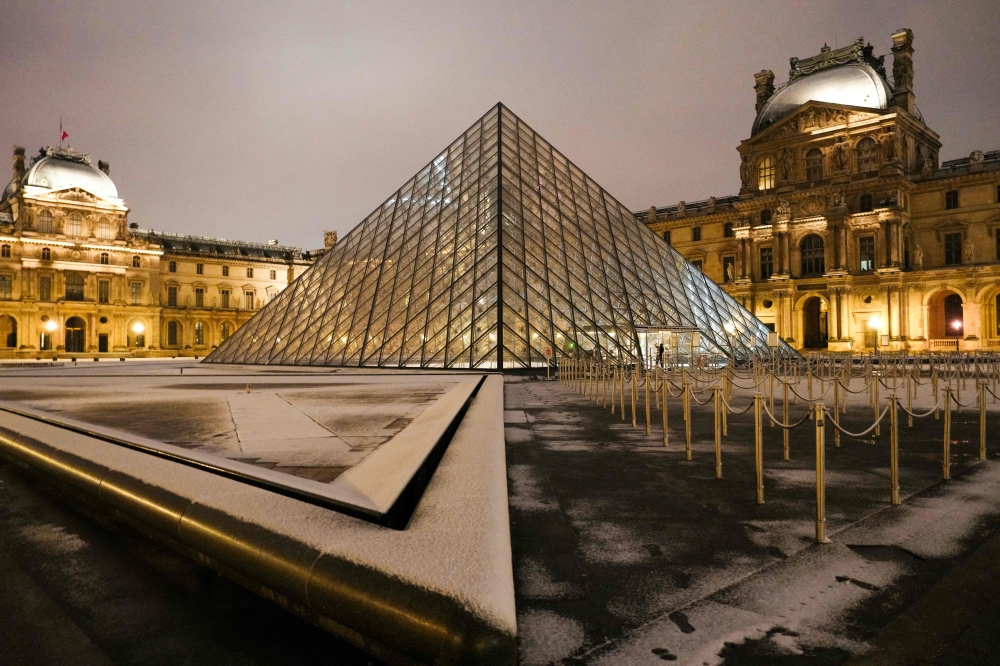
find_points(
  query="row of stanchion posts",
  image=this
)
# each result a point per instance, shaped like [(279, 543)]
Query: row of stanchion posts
[(606, 383)]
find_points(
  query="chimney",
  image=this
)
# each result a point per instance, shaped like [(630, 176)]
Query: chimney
[(764, 87), (18, 168), (104, 166), (329, 239), (902, 69)]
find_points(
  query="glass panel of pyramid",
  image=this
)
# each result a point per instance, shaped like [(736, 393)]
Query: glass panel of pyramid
[(499, 253)]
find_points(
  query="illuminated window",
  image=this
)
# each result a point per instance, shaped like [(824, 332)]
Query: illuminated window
[(136, 262), (199, 333), (814, 164), (765, 174), (45, 222), (105, 259), (866, 253), (46, 254), (766, 263), (865, 204), (867, 155), (104, 230), (952, 249), (74, 224), (951, 199), (812, 255)]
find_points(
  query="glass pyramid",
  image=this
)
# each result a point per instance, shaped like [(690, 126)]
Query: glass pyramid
[(498, 253)]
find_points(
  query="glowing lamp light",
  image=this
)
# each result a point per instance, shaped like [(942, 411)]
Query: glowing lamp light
[(875, 322), (138, 327), (956, 325), (51, 325), (572, 345)]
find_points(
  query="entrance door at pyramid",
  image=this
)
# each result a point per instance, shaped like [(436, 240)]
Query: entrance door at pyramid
[(499, 252)]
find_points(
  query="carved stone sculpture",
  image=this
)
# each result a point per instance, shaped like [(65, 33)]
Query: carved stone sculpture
[(651, 215), (746, 171), (918, 256), (730, 273), (969, 255), (329, 239), (841, 154), (977, 157), (783, 208), (785, 164), (837, 198)]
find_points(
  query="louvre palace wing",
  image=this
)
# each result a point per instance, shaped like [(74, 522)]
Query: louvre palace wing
[(499, 251)]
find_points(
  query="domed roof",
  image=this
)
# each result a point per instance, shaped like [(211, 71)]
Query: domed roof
[(65, 169), (854, 84)]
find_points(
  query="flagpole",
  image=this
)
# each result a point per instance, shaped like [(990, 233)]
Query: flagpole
[(60, 131)]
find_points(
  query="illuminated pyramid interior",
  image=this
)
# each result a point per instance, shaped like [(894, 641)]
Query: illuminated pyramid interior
[(499, 253)]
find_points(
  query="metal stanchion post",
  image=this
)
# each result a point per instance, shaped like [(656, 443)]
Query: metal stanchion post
[(718, 433), (687, 421), (771, 391), (784, 420), (894, 448), (820, 477), (621, 392), (982, 421), (878, 429), (758, 450), (635, 389), (648, 379), (946, 459), (836, 412), (663, 386)]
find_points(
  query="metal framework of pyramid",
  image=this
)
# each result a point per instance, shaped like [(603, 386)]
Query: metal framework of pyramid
[(499, 253)]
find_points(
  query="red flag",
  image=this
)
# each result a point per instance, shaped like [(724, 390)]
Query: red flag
[(64, 136)]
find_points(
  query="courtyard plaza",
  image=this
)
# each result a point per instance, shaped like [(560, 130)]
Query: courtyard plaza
[(623, 551)]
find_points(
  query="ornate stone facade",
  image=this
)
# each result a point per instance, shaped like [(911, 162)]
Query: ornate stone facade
[(76, 279), (847, 234)]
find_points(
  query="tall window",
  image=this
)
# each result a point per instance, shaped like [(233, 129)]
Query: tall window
[(199, 333), (952, 249), (696, 233), (765, 174), (274, 275), (814, 164), (225, 298), (45, 222), (172, 296), (998, 193), (866, 253), (45, 288), (199, 269), (765, 216), (104, 229), (666, 236), (728, 269), (136, 289), (812, 255), (866, 204), (74, 287), (46, 254), (867, 155), (74, 225), (103, 291), (951, 199), (6, 287), (199, 298), (5, 251), (727, 230), (173, 267), (249, 272), (248, 300), (766, 263), (105, 259), (136, 262), (224, 330), (172, 333), (225, 271)]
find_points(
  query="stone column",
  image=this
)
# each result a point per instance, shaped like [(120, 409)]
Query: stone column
[(927, 328), (894, 317)]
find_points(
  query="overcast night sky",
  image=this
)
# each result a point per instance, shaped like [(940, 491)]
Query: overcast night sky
[(248, 121)]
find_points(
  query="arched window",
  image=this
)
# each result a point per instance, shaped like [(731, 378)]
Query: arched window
[(74, 225), (46, 254), (727, 230), (814, 164), (172, 335), (865, 203), (765, 174), (45, 222), (74, 287), (696, 233), (104, 230), (199, 333), (867, 155), (812, 255), (5, 251), (765, 216), (105, 260), (224, 330)]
